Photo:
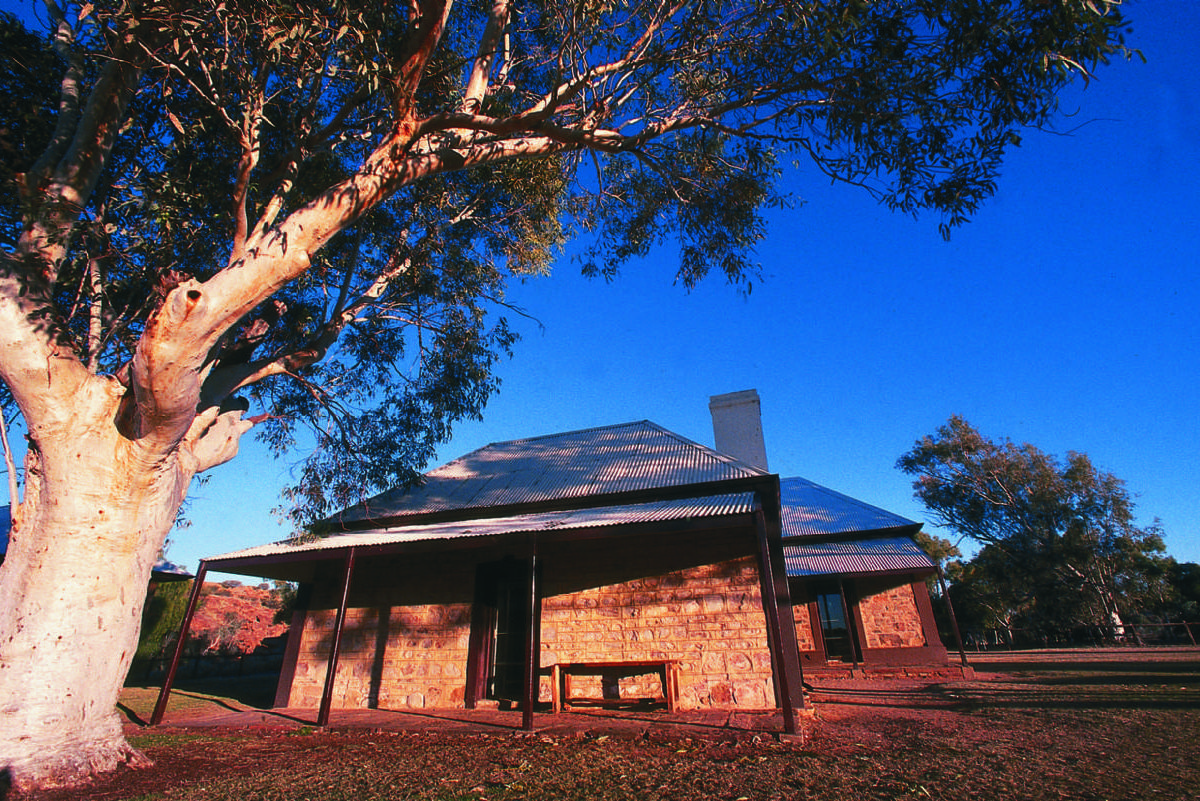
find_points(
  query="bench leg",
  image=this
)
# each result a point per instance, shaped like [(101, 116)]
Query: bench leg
[(670, 686), (556, 689)]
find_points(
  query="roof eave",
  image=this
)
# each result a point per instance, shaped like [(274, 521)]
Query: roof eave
[(251, 565), (895, 571), (695, 490)]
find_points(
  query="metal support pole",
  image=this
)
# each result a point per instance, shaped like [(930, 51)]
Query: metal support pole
[(962, 652), (336, 646), (533, 644), (783, 678), (160, 708)]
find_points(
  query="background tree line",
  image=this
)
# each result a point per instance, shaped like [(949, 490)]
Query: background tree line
[(1061, 558)]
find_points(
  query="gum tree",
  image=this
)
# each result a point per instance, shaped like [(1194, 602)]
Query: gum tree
[(1061, 547), (246, 215)]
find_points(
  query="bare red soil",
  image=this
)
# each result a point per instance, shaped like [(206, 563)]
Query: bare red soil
[(1120, 724)]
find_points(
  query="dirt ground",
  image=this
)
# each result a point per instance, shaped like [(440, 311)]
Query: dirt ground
[(1101, 724)]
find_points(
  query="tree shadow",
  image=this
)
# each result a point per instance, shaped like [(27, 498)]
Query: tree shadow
[(132, 716), (1107, 692), (1108, 668), (255, 690)]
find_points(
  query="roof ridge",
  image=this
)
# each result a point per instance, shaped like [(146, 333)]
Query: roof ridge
[(851, 498), (524, 440), (718, 455), (555, 468), (558, 434)]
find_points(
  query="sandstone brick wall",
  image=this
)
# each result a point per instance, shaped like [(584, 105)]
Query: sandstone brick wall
[(709, 618), (890, 618), (422, 662), (803, 621)]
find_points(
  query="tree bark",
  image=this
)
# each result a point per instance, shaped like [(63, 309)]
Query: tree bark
[(96, 511)]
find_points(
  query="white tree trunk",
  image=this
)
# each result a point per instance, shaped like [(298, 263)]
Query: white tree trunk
[(72, 588)]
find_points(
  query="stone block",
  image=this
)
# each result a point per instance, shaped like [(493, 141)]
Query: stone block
[(713, 662), (720, 695), (750, 695), (739, 661)]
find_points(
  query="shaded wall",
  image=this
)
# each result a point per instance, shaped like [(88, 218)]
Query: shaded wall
[(890, 618), (404, 644), (691, 597)]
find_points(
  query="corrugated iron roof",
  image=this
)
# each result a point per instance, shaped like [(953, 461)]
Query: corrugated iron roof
[(591, 462), (876, 555), (811, 510), (661, 511)]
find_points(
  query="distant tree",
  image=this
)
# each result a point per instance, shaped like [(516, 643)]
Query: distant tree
[(1185, 581), (939, 549), (1180, 598), (987, 594), (1060, 545), (310, 210), (284, 595)]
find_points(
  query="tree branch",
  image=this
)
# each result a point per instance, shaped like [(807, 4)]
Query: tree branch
[(214, 437), (430, 23), (249, 136), (69, 186), (489, 44), (14, 500)]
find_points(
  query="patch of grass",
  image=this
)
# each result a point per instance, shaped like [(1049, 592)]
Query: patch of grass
[(235, 693), (170, 739)]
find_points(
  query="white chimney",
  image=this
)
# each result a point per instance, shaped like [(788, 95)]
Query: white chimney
[(737, 426)]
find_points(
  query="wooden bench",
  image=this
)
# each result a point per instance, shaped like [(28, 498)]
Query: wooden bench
[(667, 670)]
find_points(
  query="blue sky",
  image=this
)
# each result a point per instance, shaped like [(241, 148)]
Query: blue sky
[(1064, 315)]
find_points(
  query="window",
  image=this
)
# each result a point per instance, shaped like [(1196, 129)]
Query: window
[(834, 628)]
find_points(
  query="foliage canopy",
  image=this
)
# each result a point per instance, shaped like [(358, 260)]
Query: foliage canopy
[(1061, 548)]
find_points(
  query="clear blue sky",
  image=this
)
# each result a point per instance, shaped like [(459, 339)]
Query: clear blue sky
[(1065, 315)]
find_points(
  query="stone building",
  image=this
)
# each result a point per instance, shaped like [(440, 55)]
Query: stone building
[(611, 565), (857, 581)]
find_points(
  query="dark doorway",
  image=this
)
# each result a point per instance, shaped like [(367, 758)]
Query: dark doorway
[(835, 628), (499, 628)]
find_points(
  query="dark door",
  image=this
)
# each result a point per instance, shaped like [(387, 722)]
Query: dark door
[(835, 629), (506, 678), (499, 628)]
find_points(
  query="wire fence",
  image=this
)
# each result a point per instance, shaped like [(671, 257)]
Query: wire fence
[(1133, 634)]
